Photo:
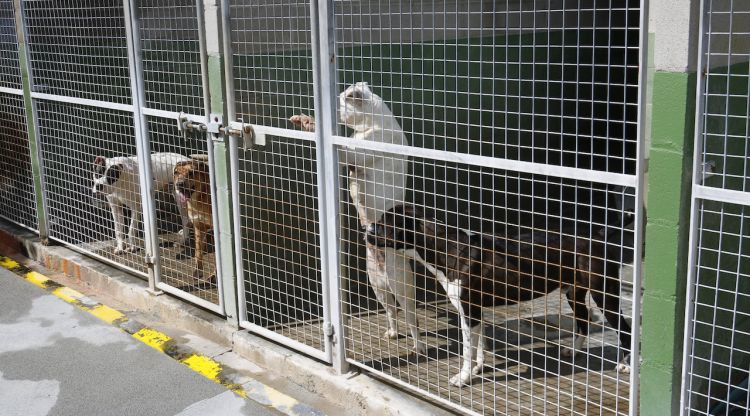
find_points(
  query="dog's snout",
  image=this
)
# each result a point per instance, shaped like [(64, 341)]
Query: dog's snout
[(371, 229)]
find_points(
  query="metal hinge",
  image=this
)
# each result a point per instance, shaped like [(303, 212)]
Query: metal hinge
[(327, 329)]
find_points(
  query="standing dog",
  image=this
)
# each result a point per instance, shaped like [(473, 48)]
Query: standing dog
[(478, 270), (377, 182), (116, 180), (193, 186)]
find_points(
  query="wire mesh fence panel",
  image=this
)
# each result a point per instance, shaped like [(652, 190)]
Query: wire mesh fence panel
[(725, 97), (171, 55), (515, 241), (281, 240), (186, 165), (717, 363), (272, 61), (17, 202), (79, 49), (92, 187), (173, 82), (554, 83), (717, 381), (463, 87), (10, 74)]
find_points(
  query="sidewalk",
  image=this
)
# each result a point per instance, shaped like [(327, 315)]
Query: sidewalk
[(59, 359)]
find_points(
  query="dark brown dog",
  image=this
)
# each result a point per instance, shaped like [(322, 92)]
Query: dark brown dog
[(193, 184), (481, 270)]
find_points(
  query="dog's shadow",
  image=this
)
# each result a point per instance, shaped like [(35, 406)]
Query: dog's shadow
[(512, 345)]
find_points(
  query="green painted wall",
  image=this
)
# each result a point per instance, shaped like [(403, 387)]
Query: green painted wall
[(669, 180)]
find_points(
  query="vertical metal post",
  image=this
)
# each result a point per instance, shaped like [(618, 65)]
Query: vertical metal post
[(638, 231), (211, 33), (32, 123), (143, 147), (324, 88), (694, 235)]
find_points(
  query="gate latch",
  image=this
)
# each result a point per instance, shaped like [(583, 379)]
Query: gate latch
[(327, 329), (185, 124), (249, 136), (707, 169)]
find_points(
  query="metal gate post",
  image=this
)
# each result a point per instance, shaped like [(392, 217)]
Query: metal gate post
[(143, 147), (324, 90), (32, 122), (211, 35)]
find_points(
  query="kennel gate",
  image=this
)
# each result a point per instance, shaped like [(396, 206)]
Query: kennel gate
[(716, 363), (520, 117), (115, 79)]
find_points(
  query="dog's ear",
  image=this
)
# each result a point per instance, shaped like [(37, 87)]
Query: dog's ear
[(113, 173), (201, 166), (100, 163), (180, 166)]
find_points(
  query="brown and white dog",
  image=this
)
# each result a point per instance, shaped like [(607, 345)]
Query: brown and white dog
[(192, 183), (479, 270)]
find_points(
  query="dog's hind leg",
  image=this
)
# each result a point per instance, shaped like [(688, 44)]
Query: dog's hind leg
[(454, 295), (401, 282), (577, 300), (607, 296), (378, 277)]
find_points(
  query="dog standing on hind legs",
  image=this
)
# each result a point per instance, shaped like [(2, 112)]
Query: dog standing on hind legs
[(377, 182)]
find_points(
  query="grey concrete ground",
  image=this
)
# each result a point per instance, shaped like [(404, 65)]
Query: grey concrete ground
[(56, 359)]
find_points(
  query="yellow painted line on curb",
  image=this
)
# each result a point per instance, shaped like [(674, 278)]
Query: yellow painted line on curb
[(67, 294), (106, 314), (37, 279), (8, 263), (152, 338)]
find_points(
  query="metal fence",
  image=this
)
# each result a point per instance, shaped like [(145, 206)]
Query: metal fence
[(498, 137), (716, 362)]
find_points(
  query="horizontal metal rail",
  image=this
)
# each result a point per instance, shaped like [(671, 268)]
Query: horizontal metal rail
[(721, 195), (82, 101), (12, 91), (493, 162)]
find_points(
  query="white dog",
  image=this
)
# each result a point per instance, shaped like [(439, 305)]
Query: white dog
[(377, 182), (116, 180)]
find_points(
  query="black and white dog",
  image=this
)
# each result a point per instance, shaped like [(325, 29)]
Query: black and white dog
[(479, 270), (116, 180)]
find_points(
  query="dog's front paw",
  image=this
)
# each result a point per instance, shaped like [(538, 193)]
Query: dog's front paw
[(624, 365), (131, 249), (419, 348), (461, 378), (119, 250), (390, 333), (566, 352)]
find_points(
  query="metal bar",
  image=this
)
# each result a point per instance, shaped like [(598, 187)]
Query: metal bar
[(32, 122), (284, 340), (638, 231), (234, 161), (292, 134), (492, 162), (694, 211), (143, 147), (442, 399), (195, 118), (189, 297), (722, 195), (210, 23), (82, 101), (324, 84), (99, 257), (11, 91)]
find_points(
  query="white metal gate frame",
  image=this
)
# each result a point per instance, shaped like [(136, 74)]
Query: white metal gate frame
[(701, 193), (328, 142)]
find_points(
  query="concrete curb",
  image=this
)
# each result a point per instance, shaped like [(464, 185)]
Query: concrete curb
[(360, 394)]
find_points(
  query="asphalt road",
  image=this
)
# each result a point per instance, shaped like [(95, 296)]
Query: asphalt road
[(56, 359)]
